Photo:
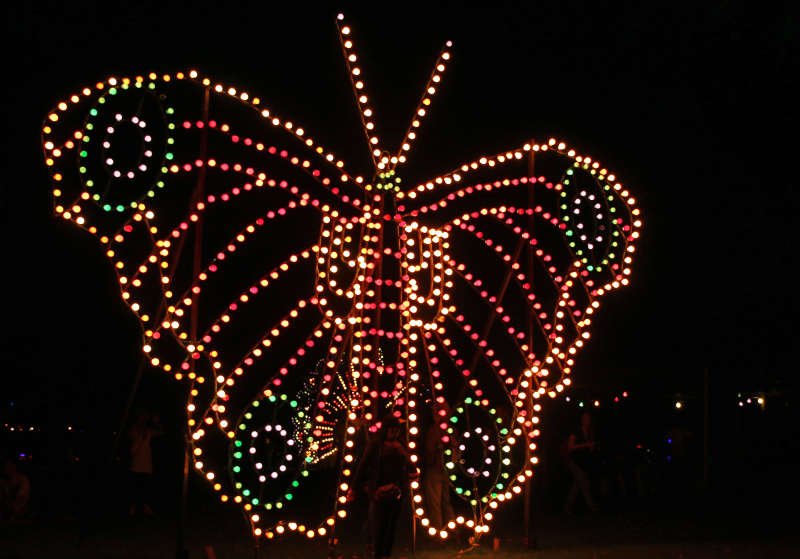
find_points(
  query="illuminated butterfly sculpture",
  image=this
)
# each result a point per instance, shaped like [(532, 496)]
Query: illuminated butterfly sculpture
[(320, 301)]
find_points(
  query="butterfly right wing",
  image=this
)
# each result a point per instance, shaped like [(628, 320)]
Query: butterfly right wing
[(528, 255)]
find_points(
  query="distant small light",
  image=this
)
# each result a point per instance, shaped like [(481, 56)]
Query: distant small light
[(678, 405)]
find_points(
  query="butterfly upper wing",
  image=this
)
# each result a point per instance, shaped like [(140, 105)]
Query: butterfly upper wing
[(531, 248), (148, 164)]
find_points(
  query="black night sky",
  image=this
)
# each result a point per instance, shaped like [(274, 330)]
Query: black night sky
[(691, 104)]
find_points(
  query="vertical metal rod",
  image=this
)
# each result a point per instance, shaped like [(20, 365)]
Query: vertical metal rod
[(527, 510), (706, 426), (158, 317), (493, 314), (197, 260), (378, 295), (127, 411)]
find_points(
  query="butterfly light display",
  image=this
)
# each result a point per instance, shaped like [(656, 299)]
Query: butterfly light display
[(319, 301)]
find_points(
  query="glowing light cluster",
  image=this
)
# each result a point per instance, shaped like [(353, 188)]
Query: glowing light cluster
[(319, 301), (488, 442)]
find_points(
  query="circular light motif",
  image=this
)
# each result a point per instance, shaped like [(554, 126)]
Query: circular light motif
[(478, 454), (146, 153), (590, 212), (104, 157)]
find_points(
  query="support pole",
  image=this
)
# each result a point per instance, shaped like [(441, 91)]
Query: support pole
[(413, 532), (127, 411), (493, 314), (378, 295), (197, 259), (529, 542), (706, 427), (142, 364)]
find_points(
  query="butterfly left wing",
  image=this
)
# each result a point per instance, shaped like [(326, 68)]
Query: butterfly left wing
[(151, 164)]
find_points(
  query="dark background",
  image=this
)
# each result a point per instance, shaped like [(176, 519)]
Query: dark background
[(692, 104)]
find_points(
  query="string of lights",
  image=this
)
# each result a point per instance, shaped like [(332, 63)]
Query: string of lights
[(327, 300)]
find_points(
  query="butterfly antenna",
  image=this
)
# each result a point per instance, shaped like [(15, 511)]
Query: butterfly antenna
[(422, 106), (357, 81)]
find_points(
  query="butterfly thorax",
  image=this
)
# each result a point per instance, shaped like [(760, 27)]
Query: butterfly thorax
[(386, 182)]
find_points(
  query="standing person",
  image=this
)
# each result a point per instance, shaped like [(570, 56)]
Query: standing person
[(434, 479), (384, 471), (145, 427), (580, 457), (15, 491)]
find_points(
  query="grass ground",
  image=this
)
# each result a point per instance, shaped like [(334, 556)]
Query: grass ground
[(88, 521), (608, 535)]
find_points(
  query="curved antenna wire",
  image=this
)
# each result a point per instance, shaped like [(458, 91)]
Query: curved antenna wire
[(357, 82), (421, 110)]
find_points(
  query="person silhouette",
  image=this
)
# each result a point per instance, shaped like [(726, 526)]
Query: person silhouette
[(580, 448), (15, 491), (434, 480), (384, 471), (145, 427)]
